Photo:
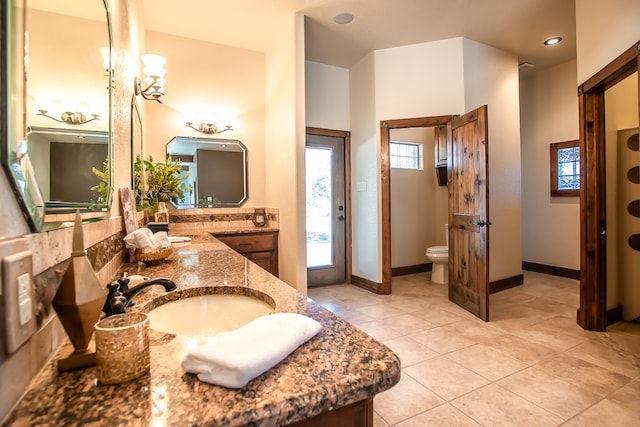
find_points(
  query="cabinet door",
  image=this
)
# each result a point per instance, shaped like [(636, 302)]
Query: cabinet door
[(440, 145), (263, 259)]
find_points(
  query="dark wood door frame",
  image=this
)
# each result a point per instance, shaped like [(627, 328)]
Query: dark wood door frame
[(592, 314), (385, 177), (347, 188)]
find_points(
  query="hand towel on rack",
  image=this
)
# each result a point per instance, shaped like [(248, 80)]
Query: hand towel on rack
[(232, 359)]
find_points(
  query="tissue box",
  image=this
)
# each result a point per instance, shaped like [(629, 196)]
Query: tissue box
[(158, 226)]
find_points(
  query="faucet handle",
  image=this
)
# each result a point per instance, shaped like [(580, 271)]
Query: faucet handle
[(124, 282), (113, 298)]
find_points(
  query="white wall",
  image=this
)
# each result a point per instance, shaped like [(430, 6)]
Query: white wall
[(326, 96), (549, 111), (604, 29)]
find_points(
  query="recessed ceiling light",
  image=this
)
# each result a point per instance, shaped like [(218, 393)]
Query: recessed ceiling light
[(343, 18), (552, 41)]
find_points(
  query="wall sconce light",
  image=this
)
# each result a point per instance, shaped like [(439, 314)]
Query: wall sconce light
[(70, 118), (208, 128), (154, 78)]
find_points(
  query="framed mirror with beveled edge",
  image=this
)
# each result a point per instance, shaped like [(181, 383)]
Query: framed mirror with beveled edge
[(61, 116), (215, 171)]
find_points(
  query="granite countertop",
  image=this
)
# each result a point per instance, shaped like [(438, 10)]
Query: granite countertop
[(244, 230), (339, 366)]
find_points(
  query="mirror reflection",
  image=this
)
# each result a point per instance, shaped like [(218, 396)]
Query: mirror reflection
[(68, 99), (215, 171), (63, 162)]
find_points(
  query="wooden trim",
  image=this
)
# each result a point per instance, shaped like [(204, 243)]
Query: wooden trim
[(614, 315), (411, 269), (592, 314), (346, 135), (614, 72), (419, 122), (553, 167), (551, 270), (367, 284), (504, 284)]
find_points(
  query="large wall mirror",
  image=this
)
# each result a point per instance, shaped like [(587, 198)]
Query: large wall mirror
[(66, 95), (215, 171)]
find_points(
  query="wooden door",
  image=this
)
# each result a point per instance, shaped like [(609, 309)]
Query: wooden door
[(468, 213)]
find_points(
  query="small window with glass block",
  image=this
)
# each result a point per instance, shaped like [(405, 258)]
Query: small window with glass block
[(405, 155), (565, 168)]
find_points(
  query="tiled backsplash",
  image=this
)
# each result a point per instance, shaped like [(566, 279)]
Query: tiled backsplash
[(201, 221)]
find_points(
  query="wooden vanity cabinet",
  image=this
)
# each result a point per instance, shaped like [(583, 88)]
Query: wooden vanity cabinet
[(261, 248)]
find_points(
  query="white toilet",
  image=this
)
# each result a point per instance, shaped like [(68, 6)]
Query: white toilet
[(439, 256)]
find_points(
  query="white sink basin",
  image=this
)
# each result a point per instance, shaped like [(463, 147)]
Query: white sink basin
[(207, 314)]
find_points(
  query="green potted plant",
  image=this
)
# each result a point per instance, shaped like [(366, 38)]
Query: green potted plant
[(163, 182)]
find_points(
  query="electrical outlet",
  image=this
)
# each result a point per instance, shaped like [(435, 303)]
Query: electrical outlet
[(20, 319), (8, 246)]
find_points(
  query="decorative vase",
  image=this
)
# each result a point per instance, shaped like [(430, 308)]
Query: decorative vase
[(78, 303)]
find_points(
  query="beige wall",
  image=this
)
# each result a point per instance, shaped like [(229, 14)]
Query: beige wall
[(491, 78), (549, 112), (621, 103), (366, 242), (284, 145), (604, 29), (210, 83)]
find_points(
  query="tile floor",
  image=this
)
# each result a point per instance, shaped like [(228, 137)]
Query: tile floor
[(531, 365)]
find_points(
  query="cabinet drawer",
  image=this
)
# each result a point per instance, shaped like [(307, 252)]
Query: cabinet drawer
[(255, 242)]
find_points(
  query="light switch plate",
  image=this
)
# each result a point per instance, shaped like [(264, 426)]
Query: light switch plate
[(17, 280), (8, 246)]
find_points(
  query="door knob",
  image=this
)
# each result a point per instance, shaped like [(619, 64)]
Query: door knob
[(481, 223)]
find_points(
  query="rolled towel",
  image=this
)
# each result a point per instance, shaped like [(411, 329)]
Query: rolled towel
[(232, 359), (161, 239), (139, 238)]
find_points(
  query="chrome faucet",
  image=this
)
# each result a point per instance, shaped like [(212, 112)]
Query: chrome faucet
[(120, 295)]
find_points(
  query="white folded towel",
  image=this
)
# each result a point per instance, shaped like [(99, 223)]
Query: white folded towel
[(140, 238), (232, 359), (161, 239)]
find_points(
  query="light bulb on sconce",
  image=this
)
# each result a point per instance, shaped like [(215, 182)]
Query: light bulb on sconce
[(208, 128), (154, 78)]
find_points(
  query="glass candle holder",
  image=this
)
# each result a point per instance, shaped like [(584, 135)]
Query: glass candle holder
[(122, 347)]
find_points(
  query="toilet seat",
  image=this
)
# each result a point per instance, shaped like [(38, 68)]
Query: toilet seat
[(437, 251)]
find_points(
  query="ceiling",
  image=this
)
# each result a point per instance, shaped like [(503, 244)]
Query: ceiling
[(516, 26)]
